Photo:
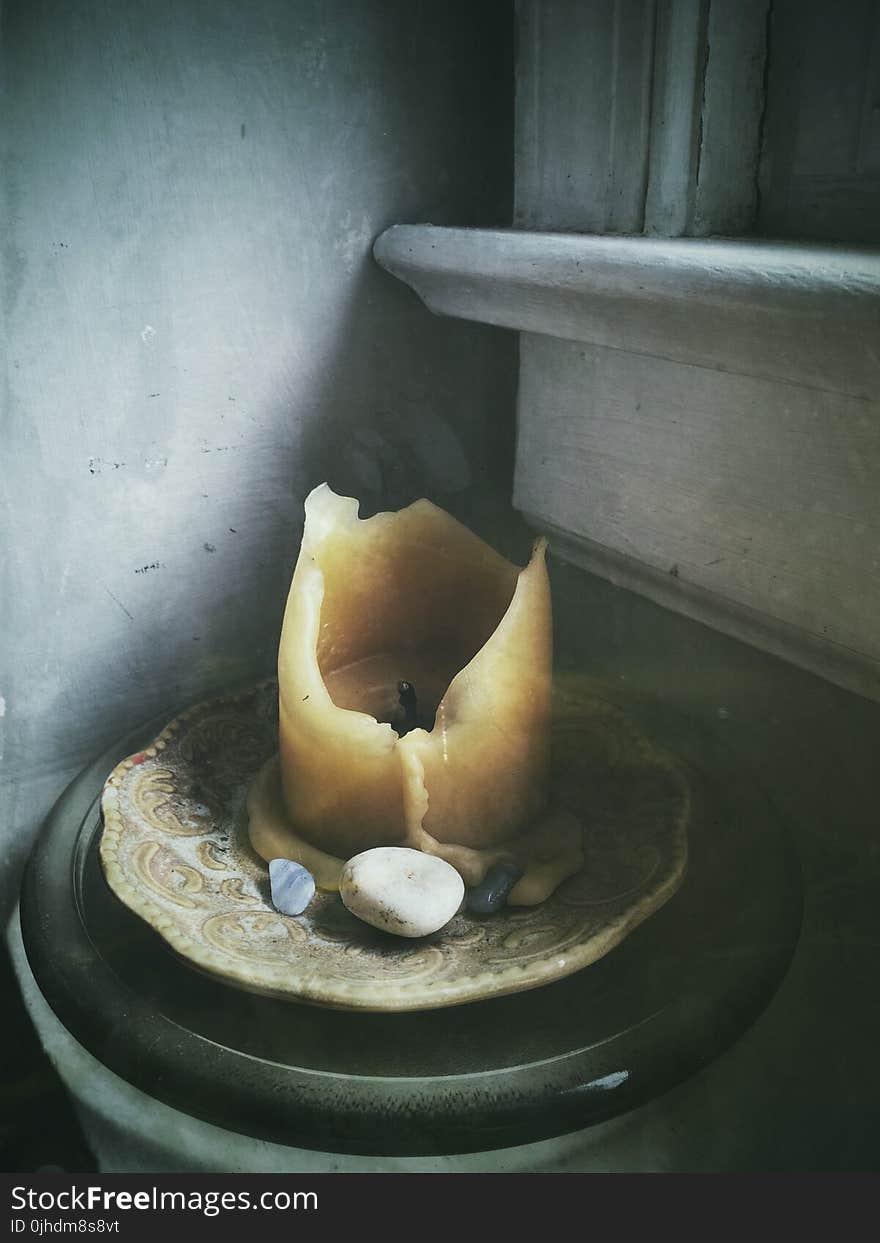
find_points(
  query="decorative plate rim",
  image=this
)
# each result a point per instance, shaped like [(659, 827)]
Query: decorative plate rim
[(280, 980)]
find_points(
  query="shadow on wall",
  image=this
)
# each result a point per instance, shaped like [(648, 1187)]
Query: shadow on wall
[(392, 421)]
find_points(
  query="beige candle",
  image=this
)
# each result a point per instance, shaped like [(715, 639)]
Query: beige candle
[(409, 597)]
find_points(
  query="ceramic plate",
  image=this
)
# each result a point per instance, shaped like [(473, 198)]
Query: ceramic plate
[(175, 850)]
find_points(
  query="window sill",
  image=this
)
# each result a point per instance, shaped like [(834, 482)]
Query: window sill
[(804, 314)]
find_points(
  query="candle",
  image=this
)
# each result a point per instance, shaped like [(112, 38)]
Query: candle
[(414, 675)]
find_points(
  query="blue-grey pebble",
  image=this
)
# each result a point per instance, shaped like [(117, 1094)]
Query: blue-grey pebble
[(491, 894), (292, 885)]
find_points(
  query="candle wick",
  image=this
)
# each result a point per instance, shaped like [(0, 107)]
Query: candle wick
[(406, 694)]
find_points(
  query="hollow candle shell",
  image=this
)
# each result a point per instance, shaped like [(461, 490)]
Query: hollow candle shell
[(411, 596)]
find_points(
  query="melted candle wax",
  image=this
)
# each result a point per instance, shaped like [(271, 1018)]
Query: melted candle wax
[(414, 675)]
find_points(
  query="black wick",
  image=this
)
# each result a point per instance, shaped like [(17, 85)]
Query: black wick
[(406, 695)]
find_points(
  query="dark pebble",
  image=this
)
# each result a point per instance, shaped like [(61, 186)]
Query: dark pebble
[(491, 894)]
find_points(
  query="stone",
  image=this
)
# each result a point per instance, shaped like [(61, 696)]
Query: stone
[(491, 893), (401, 891), (292, 885)]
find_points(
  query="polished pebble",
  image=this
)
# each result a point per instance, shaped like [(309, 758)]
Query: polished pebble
[(491, 893), (292, 885), (402, 891)]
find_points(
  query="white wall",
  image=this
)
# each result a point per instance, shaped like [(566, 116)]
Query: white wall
[(197, 334)]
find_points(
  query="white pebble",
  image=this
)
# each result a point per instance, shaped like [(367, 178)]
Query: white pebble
[(402, 891)]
